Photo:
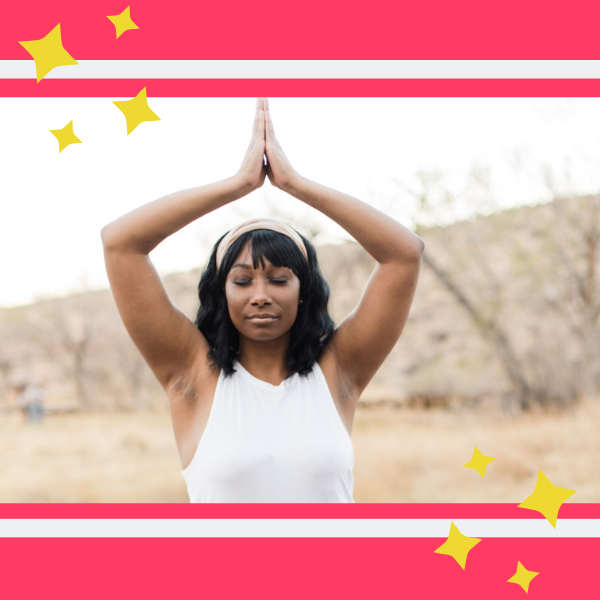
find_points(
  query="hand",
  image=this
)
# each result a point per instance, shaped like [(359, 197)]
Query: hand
[(253, 170), (279, 169)]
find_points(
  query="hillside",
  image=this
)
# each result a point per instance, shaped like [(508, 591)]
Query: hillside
[(516, 268)]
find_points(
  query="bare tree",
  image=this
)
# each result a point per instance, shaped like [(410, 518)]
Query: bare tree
[(573, 245), (64, 330), (497, 264), (463, 266)]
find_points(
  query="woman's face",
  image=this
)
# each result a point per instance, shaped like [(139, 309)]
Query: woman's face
[(274, 291)]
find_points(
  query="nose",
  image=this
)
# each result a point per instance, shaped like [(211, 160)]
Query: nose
[(260, 294)]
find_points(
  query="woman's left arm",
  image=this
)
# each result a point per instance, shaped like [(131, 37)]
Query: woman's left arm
[(386, 240), (367, 335)]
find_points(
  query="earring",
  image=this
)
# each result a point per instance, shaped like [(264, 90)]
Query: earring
[(301, 301)]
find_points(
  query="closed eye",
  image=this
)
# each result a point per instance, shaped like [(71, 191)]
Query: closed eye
[(247, 281)]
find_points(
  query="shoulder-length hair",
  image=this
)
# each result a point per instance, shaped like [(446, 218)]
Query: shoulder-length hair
[(313, 327)]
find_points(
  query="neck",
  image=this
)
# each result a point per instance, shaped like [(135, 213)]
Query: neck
[(265, 359)]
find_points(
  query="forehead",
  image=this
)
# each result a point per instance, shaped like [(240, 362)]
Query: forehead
[(243, 260)]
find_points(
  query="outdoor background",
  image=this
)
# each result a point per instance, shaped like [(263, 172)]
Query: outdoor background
[(500, 350)]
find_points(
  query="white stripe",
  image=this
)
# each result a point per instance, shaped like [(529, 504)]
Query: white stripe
[(296, 528), (309, 69)]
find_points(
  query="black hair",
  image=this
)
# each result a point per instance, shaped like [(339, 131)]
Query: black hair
[(313, 327)]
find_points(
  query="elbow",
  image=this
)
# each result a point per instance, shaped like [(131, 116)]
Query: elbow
[(417, 249), (409, 254), (114, 239), (106, 236), (420, 246), (109, 238)]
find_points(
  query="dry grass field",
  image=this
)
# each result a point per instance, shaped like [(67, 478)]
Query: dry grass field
[(402, 455)]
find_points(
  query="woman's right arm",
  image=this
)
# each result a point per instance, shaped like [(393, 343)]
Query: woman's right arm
[(166, 338)]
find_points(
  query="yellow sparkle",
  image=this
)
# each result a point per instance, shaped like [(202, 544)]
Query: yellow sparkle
[(65, 136), (122, 22), (457, 545), (479, 462), (48, 53), (136, 111), (547, 498), (522, 577)]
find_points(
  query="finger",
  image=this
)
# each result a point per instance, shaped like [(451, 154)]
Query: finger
[(269, 125), (261, 125), (265, 104), (267, 128), (258, 107), (257, 121)]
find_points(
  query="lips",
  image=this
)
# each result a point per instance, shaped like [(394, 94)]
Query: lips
[(262, 318)]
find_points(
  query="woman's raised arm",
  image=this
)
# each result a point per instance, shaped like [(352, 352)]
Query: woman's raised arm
[(144, 228), (367, 335), (166, 338)]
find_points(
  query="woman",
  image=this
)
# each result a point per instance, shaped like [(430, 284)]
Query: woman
[(263, 389)]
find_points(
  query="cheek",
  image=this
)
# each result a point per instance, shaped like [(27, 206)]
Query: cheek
[(234, 299), (235, 302)]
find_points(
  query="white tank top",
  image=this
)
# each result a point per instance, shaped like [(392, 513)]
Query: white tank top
[(272, 443)]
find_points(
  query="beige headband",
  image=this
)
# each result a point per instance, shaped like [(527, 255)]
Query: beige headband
[(252, 224)]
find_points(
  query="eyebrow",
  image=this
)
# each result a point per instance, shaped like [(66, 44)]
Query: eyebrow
[(245, 266)]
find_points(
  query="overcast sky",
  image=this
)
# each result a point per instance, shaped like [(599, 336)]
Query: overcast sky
[(52, 206)]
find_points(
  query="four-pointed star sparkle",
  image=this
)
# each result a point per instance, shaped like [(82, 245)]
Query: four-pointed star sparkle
[(122, 22), (48, 53), (457, 545), (136, 111), (65, 136), (547, 498), (522, 577), (479, 462)]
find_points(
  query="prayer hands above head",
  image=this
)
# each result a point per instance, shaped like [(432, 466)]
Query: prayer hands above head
[(253, 169), (279, 170)]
